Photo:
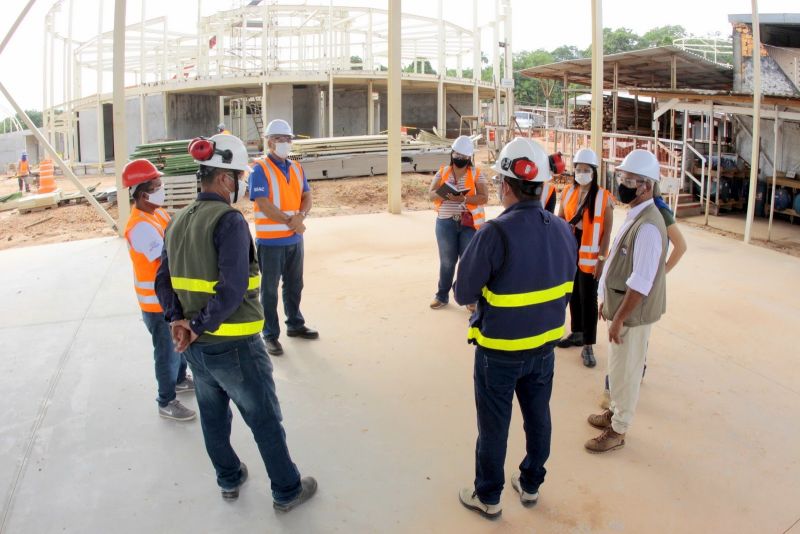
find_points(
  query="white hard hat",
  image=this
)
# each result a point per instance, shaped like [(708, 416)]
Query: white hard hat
[(643, 163), (221, 126), (463, 145), (524, 160), (225, 152), (587, 156), (278, 127)]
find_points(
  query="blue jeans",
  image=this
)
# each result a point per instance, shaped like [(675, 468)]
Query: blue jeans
[(452, 239), (240, 370), (284, 262), (496, 380), (170, 366)]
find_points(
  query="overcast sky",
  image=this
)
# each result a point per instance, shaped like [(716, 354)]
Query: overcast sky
[(536, 24)]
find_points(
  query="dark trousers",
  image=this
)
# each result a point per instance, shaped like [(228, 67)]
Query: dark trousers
[(583, 304), (241, 371), (452, 239), (170, 366), (276, 264), (496, 380), (22, 181)]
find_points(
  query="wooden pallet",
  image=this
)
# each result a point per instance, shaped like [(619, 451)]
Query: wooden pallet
[(180, 191)]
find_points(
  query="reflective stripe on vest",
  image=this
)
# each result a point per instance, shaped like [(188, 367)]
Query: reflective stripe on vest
[(238, 329), (286, 196), (592, 229), (144, 270), (207, 286), (526, 343), (470, 182)]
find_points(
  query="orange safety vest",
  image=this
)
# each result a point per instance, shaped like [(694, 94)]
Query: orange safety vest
[(478, 215), (286, 196), (144, 270), (23, 167), (592, 230), (547, 193)]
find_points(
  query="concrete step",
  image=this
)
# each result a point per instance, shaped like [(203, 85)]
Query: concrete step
[(689, 209)]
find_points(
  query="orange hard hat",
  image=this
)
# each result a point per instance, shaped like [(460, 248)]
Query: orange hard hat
[(139, 171)]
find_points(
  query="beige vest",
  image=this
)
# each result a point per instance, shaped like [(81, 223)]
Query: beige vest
[(654, 305)]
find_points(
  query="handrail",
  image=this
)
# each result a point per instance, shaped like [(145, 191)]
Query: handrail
[(702, 181)]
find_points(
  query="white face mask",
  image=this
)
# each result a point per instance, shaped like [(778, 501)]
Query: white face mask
[(157, 197), (282, 149), (583, 178), (237, 197)]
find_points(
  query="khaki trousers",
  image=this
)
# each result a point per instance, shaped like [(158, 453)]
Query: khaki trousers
[(625, 367)]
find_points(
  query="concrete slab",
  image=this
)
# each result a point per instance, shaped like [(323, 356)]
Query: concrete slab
[(784, 232), (380, 409)]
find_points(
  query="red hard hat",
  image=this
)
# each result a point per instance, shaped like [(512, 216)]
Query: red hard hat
[(139, 171)]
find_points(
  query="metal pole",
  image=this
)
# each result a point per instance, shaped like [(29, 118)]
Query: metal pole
[(330, 68), (394, 111), (496, 62), (509, 72), (710, 157), (683, 149), (370, 110), (101, 134), (16, 24), (754, 155), (120, 134), (441, 124), (774, 176), (476, 61), (60, 162), (597, 83), (68, 141)]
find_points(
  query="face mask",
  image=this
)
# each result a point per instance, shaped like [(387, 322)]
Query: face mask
[(583, 178), (627, 194), (282, 149), (238, 194), (460, 162), (157, 197)]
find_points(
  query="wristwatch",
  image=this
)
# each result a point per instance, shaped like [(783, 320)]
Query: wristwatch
[(304, 214), (602, 258)]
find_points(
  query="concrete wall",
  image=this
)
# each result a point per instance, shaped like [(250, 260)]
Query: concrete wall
[(87, 134), (11, 146), (280, 105), (349, 112), (191, 115), (773, 80), (154, 118), (419, 110), (306, 110), (463, 103)]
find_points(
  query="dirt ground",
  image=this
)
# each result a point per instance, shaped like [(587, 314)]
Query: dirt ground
[(73, 222)]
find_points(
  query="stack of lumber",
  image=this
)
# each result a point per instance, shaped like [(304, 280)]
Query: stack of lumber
[(356, 144), (626, 116), (171, 157)]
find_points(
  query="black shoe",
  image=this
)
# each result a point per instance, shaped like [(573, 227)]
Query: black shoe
[(308, 488), (233, 493), (274, 346), (588, 356), (303, 332), (575, 339)]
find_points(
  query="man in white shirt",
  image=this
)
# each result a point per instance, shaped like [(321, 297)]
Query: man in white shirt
[(632, 295)]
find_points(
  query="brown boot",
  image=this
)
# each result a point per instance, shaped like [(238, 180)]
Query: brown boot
[(601, 421), (607, 441)]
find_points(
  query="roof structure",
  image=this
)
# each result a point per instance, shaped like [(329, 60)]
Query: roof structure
[(649, 67)]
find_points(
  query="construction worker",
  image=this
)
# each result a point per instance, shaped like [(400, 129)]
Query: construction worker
[(520, 269), (589, 210), (23, 173), (282, 200), (633, 295), (458, 215), (221, 129), (208, 283), (145, 237)]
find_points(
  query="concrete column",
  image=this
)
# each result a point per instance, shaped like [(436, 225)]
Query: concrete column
[(756, 153), (142, 120), (476, 60), (101, 135), (222, 109), (370, 110), (330, 104), (441, 112), (120, 133), (597, 83), (394, 111)]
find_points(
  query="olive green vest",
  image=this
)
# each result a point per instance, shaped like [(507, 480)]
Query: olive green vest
[(654, 305), (194, 271)]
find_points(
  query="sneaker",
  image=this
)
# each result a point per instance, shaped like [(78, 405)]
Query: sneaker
[(233, 493), (176, 411), (308, 487), (601, 421), (437, 304), (527, 499), (274, 346), (185, 386), (605, 400), (575, 339), (588, 356), (607, 441), (469, 498)]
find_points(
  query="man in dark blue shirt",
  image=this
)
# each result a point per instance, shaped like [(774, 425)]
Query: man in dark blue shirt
[(519, 268)]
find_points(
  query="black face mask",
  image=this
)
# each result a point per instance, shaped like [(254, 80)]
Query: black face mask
[(460, 162), (627, 194)]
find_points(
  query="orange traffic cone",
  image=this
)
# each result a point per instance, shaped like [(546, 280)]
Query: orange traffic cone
[(47, 181)]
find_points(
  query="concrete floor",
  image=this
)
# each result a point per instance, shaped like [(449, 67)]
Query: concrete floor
[(381, 411), (784, 233)]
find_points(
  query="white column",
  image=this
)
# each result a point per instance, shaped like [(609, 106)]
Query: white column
[(774, 173), (441, 112), (496, 61), (509, 72), (597, 82), (370, 110), (476, 60), (755, 154), (394, 111), (120, 134), (101, 134)]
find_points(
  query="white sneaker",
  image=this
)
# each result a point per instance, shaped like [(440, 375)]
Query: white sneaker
[(469, 498), (527, 499)]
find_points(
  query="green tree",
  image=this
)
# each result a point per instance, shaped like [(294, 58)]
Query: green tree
[(663, 35), (423, 66), (356, 63), (619, 40), (36, 117)]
